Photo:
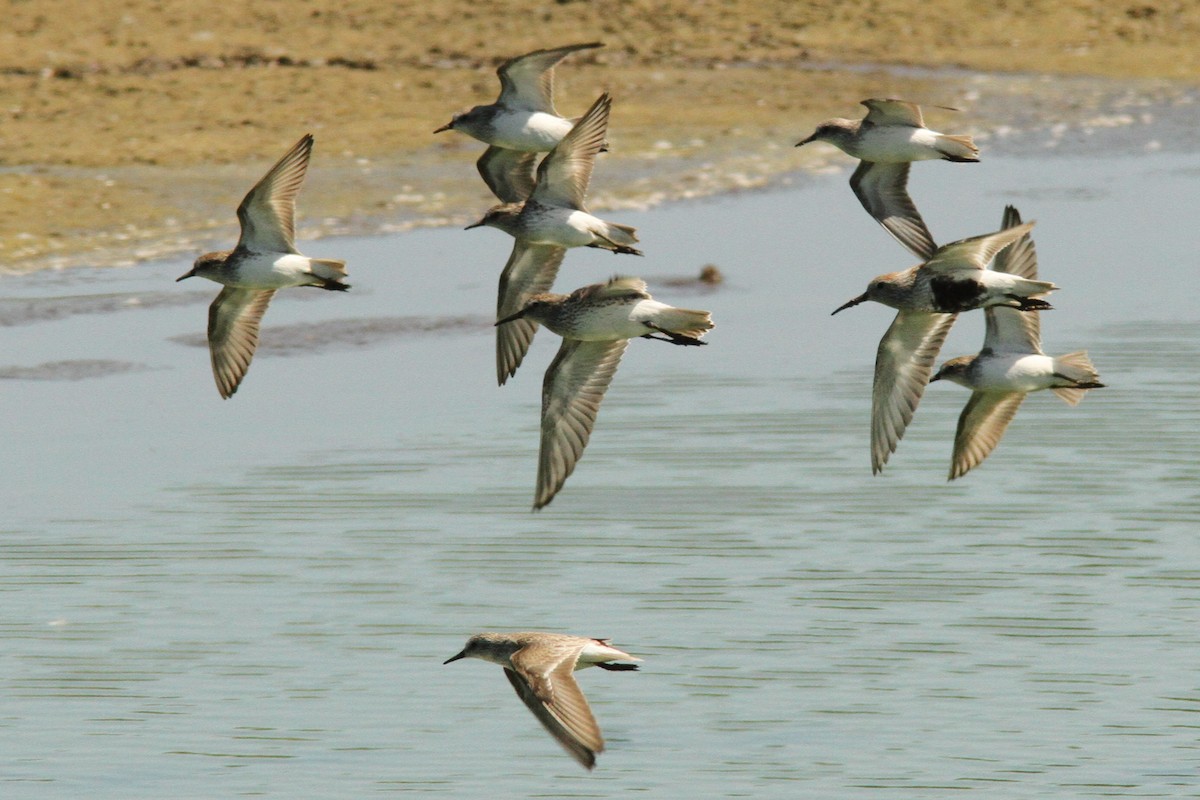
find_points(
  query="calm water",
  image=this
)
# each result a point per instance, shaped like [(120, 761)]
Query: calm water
[(253, 598)]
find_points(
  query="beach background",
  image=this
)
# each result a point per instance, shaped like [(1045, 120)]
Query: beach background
[(253, 597), (128, 128)]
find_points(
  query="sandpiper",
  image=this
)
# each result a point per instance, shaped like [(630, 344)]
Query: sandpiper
[(888, 139), (596, 323), (1010, 365), (539, 667), (555, 212), (265, 259), (927, 298), (551, 220), (521, 123)]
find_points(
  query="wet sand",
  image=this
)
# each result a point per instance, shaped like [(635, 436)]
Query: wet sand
[(132, 131)]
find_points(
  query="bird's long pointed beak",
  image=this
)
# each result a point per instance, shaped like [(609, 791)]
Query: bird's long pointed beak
[(937, 376), (446, 127), (860, 299), (803, 142), (191, 273), (474, 225), (463, 654), (511, 318)]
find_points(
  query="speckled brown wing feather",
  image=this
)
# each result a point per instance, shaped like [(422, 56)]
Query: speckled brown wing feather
[(543, 677), (508, 173), (887, 111), (975, 252), (531, 269), (903, 364), (233, 320), (1009, 330), (572, 390), (980, 428), (564, 174), (883, 191), (267, 214), (527, 81)]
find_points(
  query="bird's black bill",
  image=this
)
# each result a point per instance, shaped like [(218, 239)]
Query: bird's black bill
[(455, 658), (191, 273), (861, 298), (512, 318), (474, 225), (446, 127), (803, 142)]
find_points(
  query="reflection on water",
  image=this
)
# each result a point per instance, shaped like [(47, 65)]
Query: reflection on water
[(216, 598)]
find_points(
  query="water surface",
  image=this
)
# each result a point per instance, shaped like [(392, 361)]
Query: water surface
[(208, 598)]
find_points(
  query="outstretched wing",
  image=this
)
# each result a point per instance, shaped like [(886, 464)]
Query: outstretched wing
[(975, 252), (980, 427), (883, 191), (902, 367), (572, 390), (530, 270), (886, 111), (548, 688), (233, 320), (528, 81), (563, 175), (267, 214), (1009, 330), (508, 173)]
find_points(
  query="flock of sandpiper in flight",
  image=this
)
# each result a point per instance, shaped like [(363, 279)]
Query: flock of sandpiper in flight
[(544, 212)]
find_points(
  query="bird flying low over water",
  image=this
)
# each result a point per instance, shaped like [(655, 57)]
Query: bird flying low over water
[(539, 666), (927, 298), (264, 260), (553, 219), (596, 323), (887, 140), (1010, 365), (520, 124)]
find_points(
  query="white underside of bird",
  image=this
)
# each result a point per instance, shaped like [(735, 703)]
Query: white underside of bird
[(892, 144), (281, 270), (528, 131), (606, 323), (569, 227)]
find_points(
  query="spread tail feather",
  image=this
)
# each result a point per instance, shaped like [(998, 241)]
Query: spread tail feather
[(957, 148), (328, 268), (1077, 368), (1031, 288), (620, 234), (684, 322), (329, 271)]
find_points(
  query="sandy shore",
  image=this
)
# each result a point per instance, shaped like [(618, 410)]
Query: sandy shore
[(133, 129)]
